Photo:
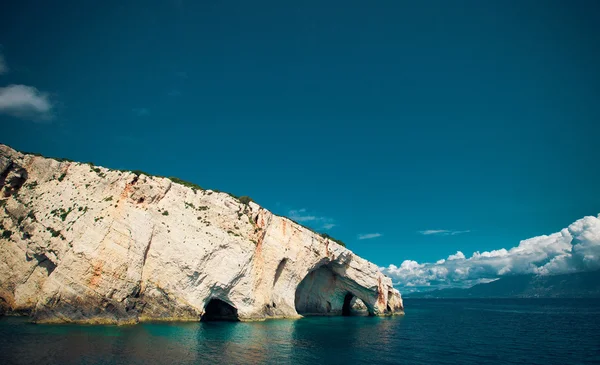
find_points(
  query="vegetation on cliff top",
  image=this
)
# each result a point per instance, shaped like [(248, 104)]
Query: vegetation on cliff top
[(191, 185), (326, 236), (195, 187)]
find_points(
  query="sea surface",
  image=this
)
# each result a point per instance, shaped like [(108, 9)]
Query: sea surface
[(433, 331)]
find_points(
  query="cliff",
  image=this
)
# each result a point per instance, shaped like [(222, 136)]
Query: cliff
[(83, 243)]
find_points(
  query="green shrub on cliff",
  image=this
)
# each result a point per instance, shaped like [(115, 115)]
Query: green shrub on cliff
[(326, 236), (191, 185), (245, 200), (138, 172)]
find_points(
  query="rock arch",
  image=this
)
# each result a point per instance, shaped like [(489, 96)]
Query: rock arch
[(324, 291)]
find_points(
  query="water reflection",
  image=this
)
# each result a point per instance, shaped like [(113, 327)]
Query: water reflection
[(269, 342), (348, 339), (446, 332), (232, 343)]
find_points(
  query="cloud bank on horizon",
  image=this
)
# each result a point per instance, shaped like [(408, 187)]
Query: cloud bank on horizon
[(573, 249)]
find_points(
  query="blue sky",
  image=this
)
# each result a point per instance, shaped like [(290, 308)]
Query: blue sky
[(375, 120)]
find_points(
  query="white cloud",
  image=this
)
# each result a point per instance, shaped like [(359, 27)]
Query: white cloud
[(457, 256), (369, 236), (25, 102), (302, 216), (575, 248), (433, 231), (442, 232), (3, 66)]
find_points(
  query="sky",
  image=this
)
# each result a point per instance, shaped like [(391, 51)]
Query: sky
[(411, 130)]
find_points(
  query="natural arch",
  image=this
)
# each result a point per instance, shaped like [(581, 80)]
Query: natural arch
[(325, 292), (218, 310)]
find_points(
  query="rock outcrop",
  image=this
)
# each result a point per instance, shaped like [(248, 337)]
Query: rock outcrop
[(82, 243)]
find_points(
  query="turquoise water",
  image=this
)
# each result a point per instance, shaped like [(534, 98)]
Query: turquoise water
[(520, 331)]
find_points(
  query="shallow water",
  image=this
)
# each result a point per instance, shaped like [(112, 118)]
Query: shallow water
[(448, 331)]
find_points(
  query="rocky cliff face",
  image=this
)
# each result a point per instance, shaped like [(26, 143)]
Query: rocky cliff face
[(81, 243)]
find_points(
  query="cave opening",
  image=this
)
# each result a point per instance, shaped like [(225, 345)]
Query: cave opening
[(325, 292), (218, 310), (279, 270), (347, 308)]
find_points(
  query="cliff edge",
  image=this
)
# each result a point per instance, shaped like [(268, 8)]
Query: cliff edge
[(83, 243)]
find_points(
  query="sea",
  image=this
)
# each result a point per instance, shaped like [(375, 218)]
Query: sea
[(433, 331)]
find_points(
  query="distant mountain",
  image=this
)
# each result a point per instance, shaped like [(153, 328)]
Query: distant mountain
[(578, 285)]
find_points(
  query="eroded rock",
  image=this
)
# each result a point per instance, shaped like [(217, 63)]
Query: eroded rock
[(82, 243)]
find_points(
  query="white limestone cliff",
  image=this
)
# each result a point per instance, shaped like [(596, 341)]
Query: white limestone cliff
[(82, 243)]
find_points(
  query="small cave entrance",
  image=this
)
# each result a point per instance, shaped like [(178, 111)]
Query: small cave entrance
[(279, 270), (353, 306), (347, 308), (218, 310)]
